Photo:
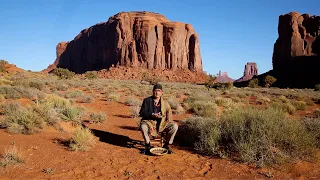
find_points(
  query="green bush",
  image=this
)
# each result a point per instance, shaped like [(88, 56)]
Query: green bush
[(262, 137), (98, 117), (63, 73), (269, 80), (91, 75), (204, 109), (317, 87), (82, 139), (3, 63), (254, 83)]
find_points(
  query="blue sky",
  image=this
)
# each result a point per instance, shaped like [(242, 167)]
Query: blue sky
[(232, 32)]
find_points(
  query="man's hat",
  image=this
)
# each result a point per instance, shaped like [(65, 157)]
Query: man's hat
[(157, 86)]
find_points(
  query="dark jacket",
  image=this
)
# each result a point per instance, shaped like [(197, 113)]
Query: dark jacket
[(147, 110)]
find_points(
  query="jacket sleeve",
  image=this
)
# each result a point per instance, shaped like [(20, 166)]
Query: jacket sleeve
[(169, 113), (144, 111)]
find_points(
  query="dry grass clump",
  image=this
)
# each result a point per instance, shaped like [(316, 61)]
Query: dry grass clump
[(262, 137), (313, 126), (132, 101), (11, 156), (82, 140), (225, 102), (204, 108), (316, 112), (16, 92), (74, 94), (98, 117), (175, 106), (300, 105), (46, 111), (285, 107), (113, 97), (134, 110), (86, 99)]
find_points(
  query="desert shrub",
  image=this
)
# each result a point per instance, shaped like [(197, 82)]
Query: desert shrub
[(86, 99), (150, 79), (72, 114), (300, 105), (254, 83), (210, 81), (91, 75), (48, 113), (16, 92), (63, 73), (269, 80), (135, 111), (131, 101), (265, 136), (3, 63), (55, 101), (225, 102), (74, 94), (263, 99), (222, 86), (283, 99), (309, 102), (37, 84), (313, 126), (82, 139), (113, 97), (317, 87), (262, 137), (22, 120), (316, 112), (98, 117), (60, 86), (204, 108), (11, 156), (199, 129)]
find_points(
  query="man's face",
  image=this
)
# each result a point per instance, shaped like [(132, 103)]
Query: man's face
[(157, 93)]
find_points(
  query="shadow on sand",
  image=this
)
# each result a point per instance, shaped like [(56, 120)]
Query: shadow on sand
[(117, 139)]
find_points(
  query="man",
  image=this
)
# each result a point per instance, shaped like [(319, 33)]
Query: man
[(157, 118)]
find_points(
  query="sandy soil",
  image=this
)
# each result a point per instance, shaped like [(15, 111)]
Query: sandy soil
[(116, 155)]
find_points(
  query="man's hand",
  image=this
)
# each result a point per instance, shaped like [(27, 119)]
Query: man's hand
[(157, 115)]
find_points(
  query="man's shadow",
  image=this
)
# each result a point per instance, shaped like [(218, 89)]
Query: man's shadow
[(117, 139)]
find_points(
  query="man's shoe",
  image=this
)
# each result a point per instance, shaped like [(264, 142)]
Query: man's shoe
[(147, 150), (166, 146)]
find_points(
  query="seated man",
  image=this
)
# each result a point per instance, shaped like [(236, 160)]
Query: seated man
[(157, 118)]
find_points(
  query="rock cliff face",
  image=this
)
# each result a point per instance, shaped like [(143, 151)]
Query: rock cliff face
[(296, 56), (132, 39), (250, 70)]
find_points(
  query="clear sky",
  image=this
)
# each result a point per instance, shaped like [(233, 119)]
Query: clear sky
[(232, 32)]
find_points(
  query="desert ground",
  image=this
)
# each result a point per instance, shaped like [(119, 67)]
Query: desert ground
[(41, 117)]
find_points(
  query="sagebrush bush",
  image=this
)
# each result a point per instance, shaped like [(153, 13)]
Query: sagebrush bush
[(74, 94), (300, 105), (204, 108), (317, 87), (82, 140), (313, 126), (113, 97), (86, 99), (316, 112), (63, 73), (72, 114), (98, 117), (91, 74), (262, 137), (23, 120), (135, 111), (131, 101)]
